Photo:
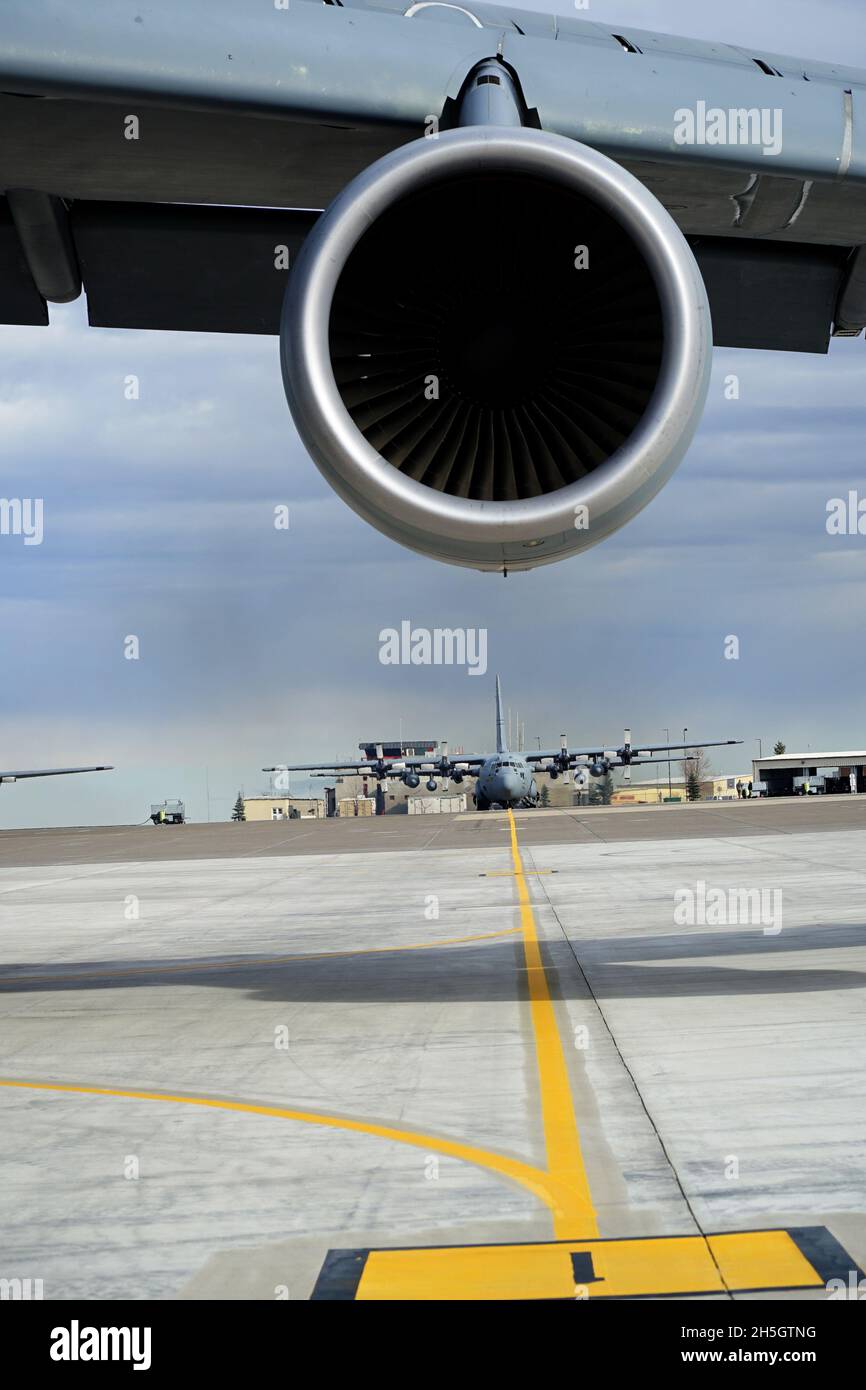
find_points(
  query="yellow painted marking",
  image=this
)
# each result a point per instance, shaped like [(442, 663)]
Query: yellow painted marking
[(619, 1269), (509, 873), (541, 1184), (745, 1260), (562, 1139), (193, 967)]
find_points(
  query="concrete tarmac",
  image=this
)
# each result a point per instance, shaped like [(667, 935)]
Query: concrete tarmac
[(602, 1053)]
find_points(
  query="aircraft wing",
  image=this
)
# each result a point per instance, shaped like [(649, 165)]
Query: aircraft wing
[(50, 772), (635, 750), (386, 767), (323, 766), (640, 749), (157, 153)]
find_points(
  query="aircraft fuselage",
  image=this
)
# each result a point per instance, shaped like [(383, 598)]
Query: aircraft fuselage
[(505, 779)]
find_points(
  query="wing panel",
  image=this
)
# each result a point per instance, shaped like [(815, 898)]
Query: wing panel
[(205, 269), (20, 301), (766, 294)]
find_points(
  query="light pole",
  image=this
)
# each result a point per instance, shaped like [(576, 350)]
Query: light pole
[(685, 766), (670, 784)]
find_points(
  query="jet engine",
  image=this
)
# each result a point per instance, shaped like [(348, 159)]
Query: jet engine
[(496, 345)]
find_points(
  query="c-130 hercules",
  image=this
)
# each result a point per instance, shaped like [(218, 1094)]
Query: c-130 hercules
[(496, 340), (503, 779)]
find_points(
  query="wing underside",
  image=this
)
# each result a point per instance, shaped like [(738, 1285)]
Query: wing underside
[(18, 776), (246, 129)]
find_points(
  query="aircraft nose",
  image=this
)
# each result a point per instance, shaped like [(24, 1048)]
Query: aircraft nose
[(510, 783)]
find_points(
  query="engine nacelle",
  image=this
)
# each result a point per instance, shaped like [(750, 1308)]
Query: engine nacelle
[(599, 769), (496, 346), (411, 779)]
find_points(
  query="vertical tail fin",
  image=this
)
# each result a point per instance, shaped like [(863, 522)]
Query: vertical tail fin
[(501, 745)]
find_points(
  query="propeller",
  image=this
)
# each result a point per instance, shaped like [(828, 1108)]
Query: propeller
[(625, 753), (380, 768), (445, 767), (564, 760)]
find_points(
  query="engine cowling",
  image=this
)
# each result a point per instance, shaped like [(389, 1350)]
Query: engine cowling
[(496, 346)]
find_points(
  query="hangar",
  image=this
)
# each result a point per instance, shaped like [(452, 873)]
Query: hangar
[(783, 773)]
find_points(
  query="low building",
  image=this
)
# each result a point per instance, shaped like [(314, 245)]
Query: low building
[(277, 807), (833, 773), (652, 793), (729, 788), (436, 805)]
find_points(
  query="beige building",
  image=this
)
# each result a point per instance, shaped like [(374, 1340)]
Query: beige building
[(277, 807), (649, 793), (659, 790), (356, 806)]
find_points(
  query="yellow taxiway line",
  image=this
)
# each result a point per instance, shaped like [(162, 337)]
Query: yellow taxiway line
[(539, 1182), (576, 1217)]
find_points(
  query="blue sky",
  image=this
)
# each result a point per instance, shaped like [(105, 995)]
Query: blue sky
[(260, 645)]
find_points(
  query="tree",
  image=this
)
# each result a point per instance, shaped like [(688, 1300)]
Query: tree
[(601, 791), (544, 797), (778, 748), (693, 786), (239, 812), (696, 764)]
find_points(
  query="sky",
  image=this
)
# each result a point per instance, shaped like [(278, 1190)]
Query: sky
[(259, 646)]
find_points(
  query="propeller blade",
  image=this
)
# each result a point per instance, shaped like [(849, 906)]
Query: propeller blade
[(379, 751), (563, 759)]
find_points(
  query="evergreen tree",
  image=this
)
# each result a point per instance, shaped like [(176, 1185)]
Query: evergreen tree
[(601, 791), (779, 748), (693, 786), (544, 797), (239, 813)]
